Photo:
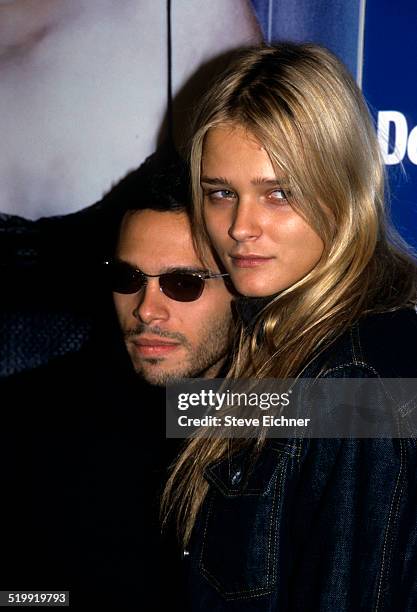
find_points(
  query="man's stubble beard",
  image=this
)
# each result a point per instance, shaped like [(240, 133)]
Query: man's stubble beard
[(204, 361)]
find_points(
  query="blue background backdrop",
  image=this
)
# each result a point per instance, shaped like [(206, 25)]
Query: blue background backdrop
[(377, 40)]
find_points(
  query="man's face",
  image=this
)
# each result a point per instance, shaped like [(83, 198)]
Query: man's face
[(167, 339)]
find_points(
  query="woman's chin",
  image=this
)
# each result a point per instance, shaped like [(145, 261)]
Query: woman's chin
[(256, 290)]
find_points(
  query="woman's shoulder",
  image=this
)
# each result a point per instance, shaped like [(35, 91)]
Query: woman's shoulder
[(381, 344)]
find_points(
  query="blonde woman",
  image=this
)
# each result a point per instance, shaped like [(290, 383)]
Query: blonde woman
[(289, 189)]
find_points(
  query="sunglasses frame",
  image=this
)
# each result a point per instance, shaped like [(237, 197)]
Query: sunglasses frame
[(203, 276)]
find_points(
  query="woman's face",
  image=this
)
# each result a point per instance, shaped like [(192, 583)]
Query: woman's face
[(264, 244)]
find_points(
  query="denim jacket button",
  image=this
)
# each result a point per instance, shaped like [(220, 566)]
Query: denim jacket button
[(236, 477)]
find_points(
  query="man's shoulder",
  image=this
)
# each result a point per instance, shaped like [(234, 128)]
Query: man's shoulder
[(83, 390), (47, 393), (57, 371)]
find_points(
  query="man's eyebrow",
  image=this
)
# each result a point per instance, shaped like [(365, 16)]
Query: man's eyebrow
[(194, 269), (167, 269), (118, 259)]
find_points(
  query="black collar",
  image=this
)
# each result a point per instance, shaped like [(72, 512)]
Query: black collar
[(248, 309)]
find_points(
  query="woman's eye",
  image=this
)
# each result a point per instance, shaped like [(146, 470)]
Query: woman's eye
[(221, 194), (279, 194)]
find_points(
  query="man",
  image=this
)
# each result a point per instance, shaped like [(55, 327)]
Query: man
[(168, 336), (82, 443)]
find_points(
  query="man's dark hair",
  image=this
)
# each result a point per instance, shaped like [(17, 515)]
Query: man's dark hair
[(161, 183)]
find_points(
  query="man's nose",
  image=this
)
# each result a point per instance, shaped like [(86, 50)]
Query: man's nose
[(245, 224), (152, 304)]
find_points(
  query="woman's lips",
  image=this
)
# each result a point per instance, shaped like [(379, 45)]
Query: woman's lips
[(249, 261), (154, 348)]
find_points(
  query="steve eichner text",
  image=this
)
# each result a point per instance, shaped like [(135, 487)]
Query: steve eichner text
[(216, 400), (232, 421)]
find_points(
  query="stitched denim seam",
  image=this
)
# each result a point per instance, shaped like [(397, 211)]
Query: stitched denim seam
[(294, 450), (253, 491), (354, 334), (251, 594), (248, 594), (230, 493), (271, 524), (397, 509), (205, 529), (281, 489), (362, 364), (404, 408), (412, 439), (358, 337), (225, 490), (280, 451), (388, 528), (300, 448)]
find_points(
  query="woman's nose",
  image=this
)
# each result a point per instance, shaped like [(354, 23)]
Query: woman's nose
[(245, 225)]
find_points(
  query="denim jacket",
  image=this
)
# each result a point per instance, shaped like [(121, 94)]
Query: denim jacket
[(318, 524)]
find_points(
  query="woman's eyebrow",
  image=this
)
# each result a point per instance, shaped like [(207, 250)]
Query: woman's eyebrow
[(258, 180), (261, 180), (214, 180)]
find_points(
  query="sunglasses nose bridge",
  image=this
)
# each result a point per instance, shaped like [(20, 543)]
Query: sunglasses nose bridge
[(151, 303), (154, 279)]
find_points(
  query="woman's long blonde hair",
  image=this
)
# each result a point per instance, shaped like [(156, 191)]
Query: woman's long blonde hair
[(303, 106)]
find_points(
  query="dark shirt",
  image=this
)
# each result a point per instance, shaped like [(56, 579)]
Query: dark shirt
[(83, 459)]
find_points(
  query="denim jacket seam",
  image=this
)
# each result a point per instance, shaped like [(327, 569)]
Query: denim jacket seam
[(411, 439), (359, 343), (272, 570), (348, 364), (391, 520), (280, 489), (225, 490), (294, 451), (250, 594), (238, 492), (281, 451), (355, 337), (211, 502), (288, 453), (404, 411)]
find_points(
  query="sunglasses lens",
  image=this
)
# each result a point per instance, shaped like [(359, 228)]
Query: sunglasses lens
[(181, 287), (122, 278)]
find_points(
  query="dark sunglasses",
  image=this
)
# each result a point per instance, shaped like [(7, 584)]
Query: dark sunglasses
[(178, 285)]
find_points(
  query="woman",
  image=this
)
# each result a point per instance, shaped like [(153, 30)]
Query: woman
[(289, 188)]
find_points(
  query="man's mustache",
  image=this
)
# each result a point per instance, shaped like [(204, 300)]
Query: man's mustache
[(154, 331)]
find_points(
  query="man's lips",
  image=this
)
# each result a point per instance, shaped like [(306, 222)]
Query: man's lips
[(251, 260), (148, 347)]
